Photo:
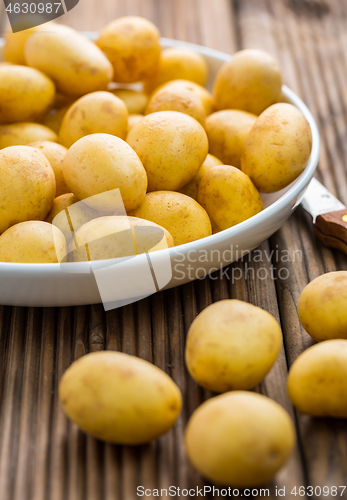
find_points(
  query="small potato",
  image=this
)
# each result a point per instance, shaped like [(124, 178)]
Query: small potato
[(55, 154), (133, 120), (278, 148), (176, 63), (172, 147), (323, 307), (27, 186), (191, 189), (136, 401), (182, 216), (228, 196), (136, 102), (132, 45), (232, 345), (250, 81), (317, 380), (239, 439), (55, 118), (205, 96), (13, 49), (177, 99), (99, 163), (32, 242), (25, 94), (118, 236), (227, 131), (22, 134), (75, 64), (97, 112)]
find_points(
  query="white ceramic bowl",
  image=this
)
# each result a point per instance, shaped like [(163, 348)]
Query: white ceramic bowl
[(75, 284)]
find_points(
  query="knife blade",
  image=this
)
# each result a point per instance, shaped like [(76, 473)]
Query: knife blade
[(329, 215)]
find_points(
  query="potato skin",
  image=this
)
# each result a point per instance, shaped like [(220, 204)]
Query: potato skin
[(32, 242), (278, 148), (172, 147), (97, 112), (55, 154), (25, 94), (317, 380), (23, 134), (136, 102), (191, 188), (132, 45), (227, 131), (27, 186), (250, 81), (176, 63), (75, 64), (133, 120), (205, 96), (239, 439), (322, 307), (228, 196), (99, 163), (182, 216), (54, 119), (232, 345), (136, 401)]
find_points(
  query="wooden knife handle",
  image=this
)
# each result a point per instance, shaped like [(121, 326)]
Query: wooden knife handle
[(331, 229)]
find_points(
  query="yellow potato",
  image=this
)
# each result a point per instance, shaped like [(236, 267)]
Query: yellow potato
[(177, 99), (317, 380), (205, 96), (136, 401), (176, 63), (118, 236), (75, 64), (172, 147), (191, 189), (97, 112), (32, 242), (182, 216), (132, 45), (22, 134), (62, 100), (323, 307), (14, 43), (133, 120), (55, 118), (250, 81), (228, 196), (27, 186), (239, 439), (278, 148), (99, 163), (232, 345), (136, 102), (55, 154), (25, 93), (227, 131)]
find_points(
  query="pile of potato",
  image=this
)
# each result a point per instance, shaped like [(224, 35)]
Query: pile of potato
[(79, 120)]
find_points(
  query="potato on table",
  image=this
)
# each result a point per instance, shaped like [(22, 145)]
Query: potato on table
[(278, 148), (227, 131), (172, 147), (228, 196), (136, 401), (99, 163), (97, 112), (135, 101), (27, 186), (55, 154), (239, 439), (317, 380), (132, 45), (176, 63), (25, 94), (250, 81), (182, 216), (22, 134), (232, 345), (32, 242), (191, 189)]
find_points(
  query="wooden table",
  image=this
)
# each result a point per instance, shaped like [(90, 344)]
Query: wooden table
[(43, 456)]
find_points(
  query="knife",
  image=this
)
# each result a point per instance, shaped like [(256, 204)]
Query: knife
[(329, 215)]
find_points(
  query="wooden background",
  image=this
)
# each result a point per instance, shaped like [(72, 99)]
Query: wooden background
[(43, 456)]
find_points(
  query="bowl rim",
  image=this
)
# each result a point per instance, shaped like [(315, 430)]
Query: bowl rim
[(297, 189)]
